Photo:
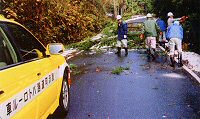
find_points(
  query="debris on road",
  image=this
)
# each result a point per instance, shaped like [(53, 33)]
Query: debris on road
[(192, 60), (119, 70), (98, 69)]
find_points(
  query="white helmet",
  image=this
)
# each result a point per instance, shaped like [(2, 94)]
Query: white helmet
[(170, 14), (119, 17), (149, 15)]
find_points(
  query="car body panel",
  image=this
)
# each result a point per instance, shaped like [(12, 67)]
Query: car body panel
[(27, 90), (31, 89)]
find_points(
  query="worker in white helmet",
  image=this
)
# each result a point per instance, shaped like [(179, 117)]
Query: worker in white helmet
[(175, 36), (170, 20), (122, 36), (150, 30)]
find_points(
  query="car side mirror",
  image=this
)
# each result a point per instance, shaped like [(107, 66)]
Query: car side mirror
[(39, 54), (55, 48)]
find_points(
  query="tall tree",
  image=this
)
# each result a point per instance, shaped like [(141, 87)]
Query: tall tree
[(115, 7), (123, 6)]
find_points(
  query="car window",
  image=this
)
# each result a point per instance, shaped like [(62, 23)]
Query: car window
[(25, 41), (7, 53)]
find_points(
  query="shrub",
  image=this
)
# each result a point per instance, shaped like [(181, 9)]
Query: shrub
[(119, 70)]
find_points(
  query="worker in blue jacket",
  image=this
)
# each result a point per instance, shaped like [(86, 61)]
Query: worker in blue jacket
[(175, 36), (163, 28), (122, 36)]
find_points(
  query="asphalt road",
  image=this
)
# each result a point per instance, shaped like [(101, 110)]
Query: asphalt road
[(148, 90)]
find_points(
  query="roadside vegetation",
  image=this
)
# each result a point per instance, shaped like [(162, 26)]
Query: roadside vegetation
[(73, 66), (109, 39), (74, 69), (65, 21), (72, 21), (85, 45), (118, 70), (69, 21)]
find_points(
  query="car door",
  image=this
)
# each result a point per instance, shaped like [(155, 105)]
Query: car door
[(14, 81), (21, 81), (46, 69)]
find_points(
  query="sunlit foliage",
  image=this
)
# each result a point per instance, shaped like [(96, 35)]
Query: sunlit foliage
[(64, 21)]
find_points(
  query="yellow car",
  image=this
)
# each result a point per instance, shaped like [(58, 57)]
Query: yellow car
[(33, 79)]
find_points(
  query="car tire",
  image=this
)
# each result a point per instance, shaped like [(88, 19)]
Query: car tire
[(64, 94)]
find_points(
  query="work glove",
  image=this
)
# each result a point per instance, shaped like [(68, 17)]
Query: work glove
[(125, 36)]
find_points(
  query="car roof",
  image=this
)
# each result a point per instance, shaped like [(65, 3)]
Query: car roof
[(2, 18)]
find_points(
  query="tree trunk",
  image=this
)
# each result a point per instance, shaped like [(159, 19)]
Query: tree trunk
[(115, 8), (123, 7)]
